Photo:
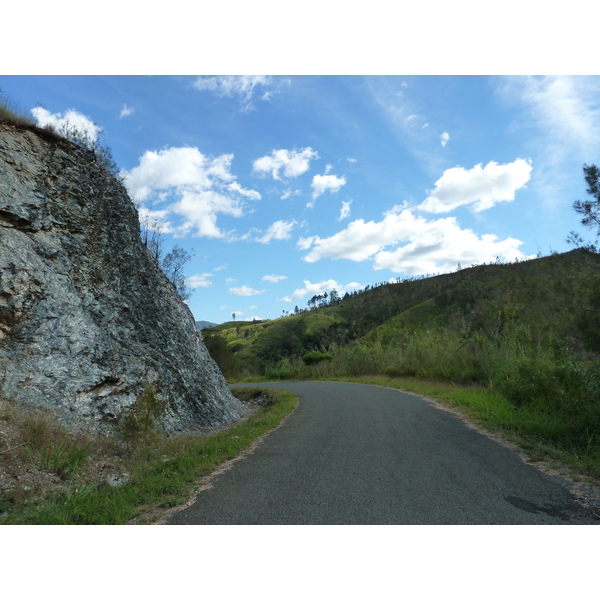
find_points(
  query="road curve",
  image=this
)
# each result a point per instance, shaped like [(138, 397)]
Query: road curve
[(360, 454)]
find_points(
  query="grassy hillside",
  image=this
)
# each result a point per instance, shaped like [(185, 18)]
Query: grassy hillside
[(528, 333), (551, 300)]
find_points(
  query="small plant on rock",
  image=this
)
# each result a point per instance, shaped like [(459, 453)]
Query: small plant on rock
[(141, 420)]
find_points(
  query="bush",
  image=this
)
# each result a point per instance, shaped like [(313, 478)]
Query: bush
[(283, 369), (141, 420), (312, 358)]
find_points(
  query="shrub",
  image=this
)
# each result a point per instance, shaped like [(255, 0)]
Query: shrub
[(141, 420), (312, 358), (283, 369)]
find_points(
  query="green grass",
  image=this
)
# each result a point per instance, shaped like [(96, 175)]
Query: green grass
[(164, 472)]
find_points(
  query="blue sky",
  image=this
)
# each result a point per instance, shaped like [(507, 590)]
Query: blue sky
[(288, 186)]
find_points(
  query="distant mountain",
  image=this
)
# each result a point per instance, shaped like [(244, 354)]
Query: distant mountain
[(204, 324)]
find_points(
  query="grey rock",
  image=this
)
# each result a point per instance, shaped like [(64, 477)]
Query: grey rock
[(87, 318), (117, 480)]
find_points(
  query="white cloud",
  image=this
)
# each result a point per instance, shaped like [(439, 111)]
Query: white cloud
[(345, 210), (71, 124), (200, 209), (289, 193), (444, 139), (196, 281), (182, 168), (360, 240), (565, 108), (319, 288), (480, 186), (245, 290), (322, 183), (428, 246), (280, 230), (126, 111), (274, 278), (442, 246), (240, 86), (292, 162), (237, 188), (306, 243), (155, 220), (194, 187)]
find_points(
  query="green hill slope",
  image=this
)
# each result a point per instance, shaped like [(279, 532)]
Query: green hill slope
[(549, 300), (529, 332)]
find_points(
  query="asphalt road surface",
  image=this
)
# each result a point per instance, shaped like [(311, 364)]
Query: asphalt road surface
[(359, 454)]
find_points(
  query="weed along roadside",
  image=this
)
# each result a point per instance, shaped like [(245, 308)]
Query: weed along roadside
[(149, 472)]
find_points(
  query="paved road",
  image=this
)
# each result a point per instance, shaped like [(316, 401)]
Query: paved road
[(358, 454)]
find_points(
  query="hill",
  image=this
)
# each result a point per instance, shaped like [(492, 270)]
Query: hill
[(525, 337), (551, 298), (204, 324)]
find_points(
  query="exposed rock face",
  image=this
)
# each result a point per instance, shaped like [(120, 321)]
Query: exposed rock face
[(87, 319)]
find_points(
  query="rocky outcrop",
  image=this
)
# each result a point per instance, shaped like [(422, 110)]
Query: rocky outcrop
[(87, 319)]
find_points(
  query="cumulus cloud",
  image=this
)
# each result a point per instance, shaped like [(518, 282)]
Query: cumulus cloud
[(292, 162), (483, 187), (444, 139), (71, 124), (245, 290), (200, 209), (418, 246), (196, 281), (345, 210), (244, 87), (237, 188), (319, 288), (322, 183), (280, 230), (193, 187), (274, 278)]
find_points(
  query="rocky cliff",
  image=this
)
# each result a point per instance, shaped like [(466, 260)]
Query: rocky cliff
[(87, 319)]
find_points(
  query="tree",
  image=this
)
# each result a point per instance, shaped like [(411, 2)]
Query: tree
[(233, 316), (588, 209), (172, 266), (151, 230)]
